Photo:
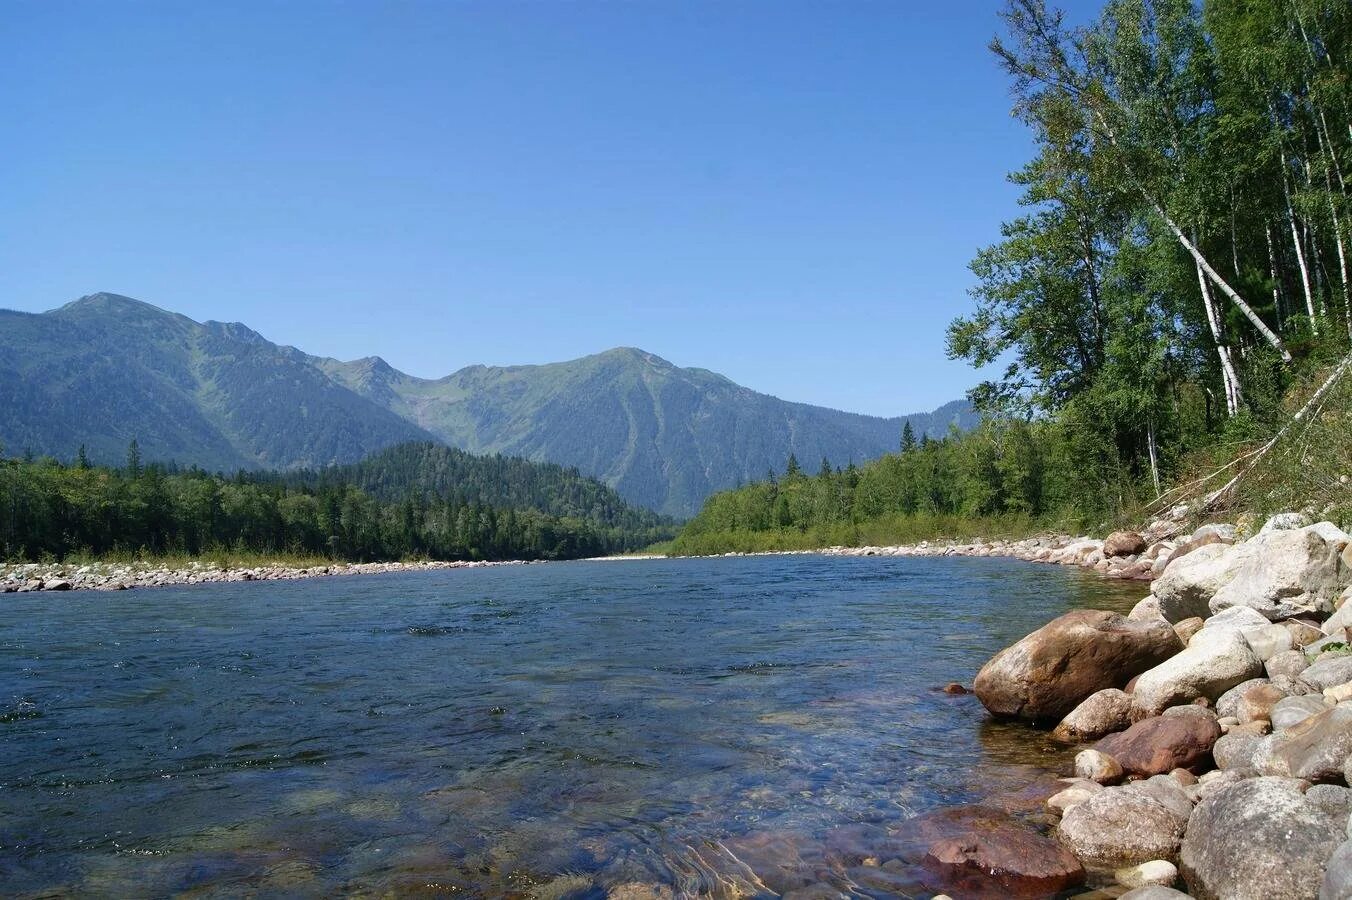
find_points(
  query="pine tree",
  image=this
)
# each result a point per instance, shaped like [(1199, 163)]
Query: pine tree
[(907, 437), (82, 458), (791, 469), (134, 459)]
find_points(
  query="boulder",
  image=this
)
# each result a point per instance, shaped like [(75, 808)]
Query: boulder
[(1328, 672), (1333, 799), (1213, 662), (1339, 621), (1285, 522), (1291, 664), (1062, 800), (1237, 618), (1313, 749), (1284, 574), (1190, 580), (59, 584), (1118, 828), (1150, 892), (1156, 872), (1102, 712), (1259, 839), (1051, 671), (1098, 767), (1123, 543), (1337, 883), (1161, 744), (988, 852), (1291, 711)]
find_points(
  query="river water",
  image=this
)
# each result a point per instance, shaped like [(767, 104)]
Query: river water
[(731, 726)]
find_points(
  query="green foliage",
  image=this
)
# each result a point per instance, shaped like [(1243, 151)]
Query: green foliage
[(420, 501)]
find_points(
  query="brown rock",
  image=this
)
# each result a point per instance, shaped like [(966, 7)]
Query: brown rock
[(1048, 673), (989, 854), (1101, 713), (1161, 744), (954, 688), (1124, 543), (1256, 703), (1191, 544), (1188, 627)]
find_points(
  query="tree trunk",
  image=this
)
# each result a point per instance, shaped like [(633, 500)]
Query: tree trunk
[(1272, 273), (1154, 458), (1228, 376), (1300, 251)]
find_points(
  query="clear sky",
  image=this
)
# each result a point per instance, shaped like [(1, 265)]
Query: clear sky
[(784, 192)]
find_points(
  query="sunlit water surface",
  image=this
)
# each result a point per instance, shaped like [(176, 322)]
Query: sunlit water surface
[(725, 726)]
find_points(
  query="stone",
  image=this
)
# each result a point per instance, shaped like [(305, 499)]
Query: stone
[(1334, 799), (1285, 522), (1156, 872), (1228, 703), (1267, 641), (1166, 790), (1123, 543), (1150, 892), (1337, 883), (1339, 621), (1338, 693), (1333, 641), (1158, 745), (1188, 583), (1328, 672), (1101, 713), (1188, 627), (1257, 727), (1314, 749), (1256, 703), (1285, 574), (1260, 839), (1118, 828), (1303, 633), (59, 584), (1291, 664), (1058, 803), (1236, 618), (1213, 662), (1291, 711), (1051, 671), (1236, 752), (1098, 767), (1213, 781), (1146, 610)]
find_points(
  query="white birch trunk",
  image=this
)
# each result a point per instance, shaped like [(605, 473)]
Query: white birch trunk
[(1300, 251), (1228, 376), (1154, 459)]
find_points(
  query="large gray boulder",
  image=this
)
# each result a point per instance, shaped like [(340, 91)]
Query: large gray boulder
[(1314, 749), (1051, 671), (1328, 672), (1259, 839), (1337, 884), (1214, 661), (1291, 711), (1189, 582), (1287, 573), (1118, 827)]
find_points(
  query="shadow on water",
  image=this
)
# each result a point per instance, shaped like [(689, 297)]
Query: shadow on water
[(730, 727)]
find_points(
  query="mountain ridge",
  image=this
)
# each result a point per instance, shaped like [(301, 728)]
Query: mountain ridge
[(110, 368)]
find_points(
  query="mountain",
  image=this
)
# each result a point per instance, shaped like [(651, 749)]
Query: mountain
[(106, 369), (663, 436)]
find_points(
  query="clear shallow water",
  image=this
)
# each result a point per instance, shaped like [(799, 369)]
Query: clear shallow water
[(727, 726)]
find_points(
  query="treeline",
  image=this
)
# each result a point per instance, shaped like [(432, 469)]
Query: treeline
[(1184, 257), (1181, 264), (51, 509), (1001, 477)]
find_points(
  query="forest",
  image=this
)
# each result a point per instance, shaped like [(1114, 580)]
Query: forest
[(1173, 294), (411, 501)]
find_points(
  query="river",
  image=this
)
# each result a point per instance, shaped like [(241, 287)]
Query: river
[(723, 726)]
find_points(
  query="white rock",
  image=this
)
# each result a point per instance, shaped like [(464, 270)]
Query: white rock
[(1157, 871), (1284, 574), (1215, 661)]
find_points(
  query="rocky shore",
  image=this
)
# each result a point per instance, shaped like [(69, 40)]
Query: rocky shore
[(1214, 722), (122, 576)]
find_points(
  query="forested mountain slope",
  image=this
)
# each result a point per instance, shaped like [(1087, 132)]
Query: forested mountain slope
[(107, 369)]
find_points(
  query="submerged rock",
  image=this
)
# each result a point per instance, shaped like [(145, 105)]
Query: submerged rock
[(993, 855), (1051, 671)]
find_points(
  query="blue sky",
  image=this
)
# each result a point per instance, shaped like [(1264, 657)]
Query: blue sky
[(784, 192)]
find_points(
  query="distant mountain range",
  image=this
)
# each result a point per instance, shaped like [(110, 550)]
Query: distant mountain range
[(106, 369)]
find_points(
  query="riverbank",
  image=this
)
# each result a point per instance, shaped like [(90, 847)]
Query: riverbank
[(123, 576), (1213, 723)]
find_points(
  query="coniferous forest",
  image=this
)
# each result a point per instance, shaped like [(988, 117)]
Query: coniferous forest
[(1176, 289), (411, 501)]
